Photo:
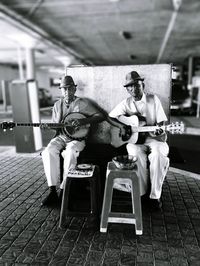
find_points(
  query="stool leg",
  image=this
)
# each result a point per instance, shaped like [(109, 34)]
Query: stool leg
[(65, 203), (136, 203), (93, 196), (107, 201), (98, 189)]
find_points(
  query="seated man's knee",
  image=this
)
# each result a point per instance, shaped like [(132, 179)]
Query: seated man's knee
[(154, 154), (68, 151), (136, 150), (72, 148), (132, 149), (161, 148), (50, 149)]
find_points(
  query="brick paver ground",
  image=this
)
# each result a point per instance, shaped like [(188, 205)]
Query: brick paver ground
[(30, 235)]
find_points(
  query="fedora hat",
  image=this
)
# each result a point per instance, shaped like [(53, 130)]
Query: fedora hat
[(131, 78), (67, 81)]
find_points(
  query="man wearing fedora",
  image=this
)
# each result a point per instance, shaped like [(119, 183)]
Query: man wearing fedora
[(68, 104), (148, 109)]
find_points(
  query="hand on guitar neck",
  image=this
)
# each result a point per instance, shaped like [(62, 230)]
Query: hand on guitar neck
[(158, 132), (70, 129), (45, 126), (142, 122)]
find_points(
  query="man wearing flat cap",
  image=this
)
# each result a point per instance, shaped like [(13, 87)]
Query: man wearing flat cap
[(72, 146), (149, 111)]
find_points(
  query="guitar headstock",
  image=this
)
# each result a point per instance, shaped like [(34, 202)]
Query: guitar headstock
[(176, 128), (7, 125)]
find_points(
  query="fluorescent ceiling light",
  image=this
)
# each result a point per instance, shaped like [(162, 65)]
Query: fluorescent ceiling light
[(65, 60), (53, 69), (23, 40)]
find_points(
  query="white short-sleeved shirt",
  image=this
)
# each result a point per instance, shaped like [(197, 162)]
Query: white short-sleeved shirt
[(149, 106), (79, 105)]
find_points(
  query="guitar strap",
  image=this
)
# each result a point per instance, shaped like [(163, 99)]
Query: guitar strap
[(150, 110), (142, 135)]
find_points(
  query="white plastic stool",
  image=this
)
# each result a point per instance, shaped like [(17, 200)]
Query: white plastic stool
[(121, 176)]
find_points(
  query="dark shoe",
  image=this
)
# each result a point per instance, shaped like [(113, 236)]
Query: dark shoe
[(156, 204), (51, 199)]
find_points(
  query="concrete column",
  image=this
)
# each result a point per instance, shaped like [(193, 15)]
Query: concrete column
[(5, 94), (30, 63), (24, 99), (33, 95), (20, 63)]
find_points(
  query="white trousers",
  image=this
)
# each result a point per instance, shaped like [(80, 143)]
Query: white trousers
[(159, 164), (51, 158)]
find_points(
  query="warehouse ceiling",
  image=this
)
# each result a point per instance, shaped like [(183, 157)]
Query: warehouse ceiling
[(100, 32)]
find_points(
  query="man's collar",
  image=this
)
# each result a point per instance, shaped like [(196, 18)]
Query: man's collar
[(143, 99), (68, 103)]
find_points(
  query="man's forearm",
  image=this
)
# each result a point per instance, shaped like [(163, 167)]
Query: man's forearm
[(96, 118), (114, 122), (125, 130)]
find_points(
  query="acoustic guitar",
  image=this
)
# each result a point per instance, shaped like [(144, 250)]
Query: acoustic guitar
[(66, 126), (116, 140)]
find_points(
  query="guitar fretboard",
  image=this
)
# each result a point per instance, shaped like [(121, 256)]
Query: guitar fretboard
[(56, 125), (149, 128)]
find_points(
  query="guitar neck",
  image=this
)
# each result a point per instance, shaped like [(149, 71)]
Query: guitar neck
[(149, 128), (53, 125)]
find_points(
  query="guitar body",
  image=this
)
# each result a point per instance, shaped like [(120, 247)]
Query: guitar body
[(78, 134), (132, 121)]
